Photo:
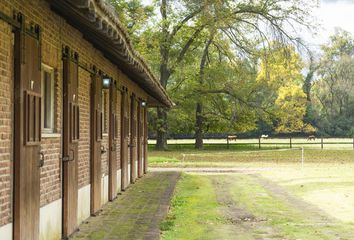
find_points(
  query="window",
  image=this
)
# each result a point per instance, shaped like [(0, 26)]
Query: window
[(47, 99)]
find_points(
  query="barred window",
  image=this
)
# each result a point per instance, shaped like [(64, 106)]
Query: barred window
[(47, 99)]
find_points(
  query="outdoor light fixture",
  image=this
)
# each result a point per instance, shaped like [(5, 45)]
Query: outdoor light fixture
[(143, 104), (106, 81)]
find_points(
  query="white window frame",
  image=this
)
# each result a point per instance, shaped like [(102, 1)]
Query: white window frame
[(50, 70)]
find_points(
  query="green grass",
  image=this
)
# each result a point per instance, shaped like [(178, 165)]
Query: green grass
[(323, 184), (189, 158), (196, 214), (193, 210), (291, 221)]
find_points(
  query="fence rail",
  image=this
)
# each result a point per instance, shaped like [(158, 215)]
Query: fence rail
[(320, 143)]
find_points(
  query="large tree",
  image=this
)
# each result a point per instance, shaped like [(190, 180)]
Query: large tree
[(333, 92), (181, 33), (282, 80)]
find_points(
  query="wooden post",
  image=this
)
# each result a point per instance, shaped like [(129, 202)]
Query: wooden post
[(291, 145), (227, 140), (321, 142), (259, 143)]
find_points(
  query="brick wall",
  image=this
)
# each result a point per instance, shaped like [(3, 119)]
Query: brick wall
[(55, 33), (84, 142), (6, 86)]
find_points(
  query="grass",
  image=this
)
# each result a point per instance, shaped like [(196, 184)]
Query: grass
[(197, 214), (226, 158), (196, 195), (284, 199)]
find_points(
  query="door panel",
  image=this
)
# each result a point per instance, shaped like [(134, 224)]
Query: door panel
[(124, 138), (96, 140), (71, 130), (112, 164), (145, 140), (133, 139), (140, 140), (27, 134)]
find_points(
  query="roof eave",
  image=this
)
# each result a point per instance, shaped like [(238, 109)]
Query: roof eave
[(107, 35)]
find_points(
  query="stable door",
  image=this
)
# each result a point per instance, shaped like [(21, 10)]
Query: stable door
[(27, 134), (71, 129), (112, 135), (96, 140)]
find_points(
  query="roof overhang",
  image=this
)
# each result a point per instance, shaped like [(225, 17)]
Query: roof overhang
[(99, 24)]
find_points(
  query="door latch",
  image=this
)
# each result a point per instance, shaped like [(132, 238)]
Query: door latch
[(69, 158), (41, 159), (103, 150)]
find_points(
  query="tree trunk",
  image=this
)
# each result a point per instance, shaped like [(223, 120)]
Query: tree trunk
[(199, 126), (165, 69), (161, 138), (199, 118)]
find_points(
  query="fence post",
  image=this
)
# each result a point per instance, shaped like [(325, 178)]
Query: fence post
[(227, 140), (259, 143), (291, 145), (321, 142), (302, 157)]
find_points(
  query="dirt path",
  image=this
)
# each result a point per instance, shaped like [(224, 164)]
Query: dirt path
[(239, 218), (242, 223), (136, 214), (315, 215), (244, 170)]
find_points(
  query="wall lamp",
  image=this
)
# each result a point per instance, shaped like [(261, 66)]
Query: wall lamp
[(106, 82), (143, 104)]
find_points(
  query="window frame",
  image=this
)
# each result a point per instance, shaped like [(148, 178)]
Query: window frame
[(51, 71)]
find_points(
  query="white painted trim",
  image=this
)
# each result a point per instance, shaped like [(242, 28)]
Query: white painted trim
[(51, 135), (6, 232), (50, 70), (136, 169), (50, 224), (142, 165), (119, 180), (128, 173), (84, 201), (104, 189)]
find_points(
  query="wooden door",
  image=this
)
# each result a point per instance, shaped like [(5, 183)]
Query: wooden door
[(27, 134), (145, 152), (133, 139), (71, 129), (140, 140), (112, 135), (124, 138), (96, 141)]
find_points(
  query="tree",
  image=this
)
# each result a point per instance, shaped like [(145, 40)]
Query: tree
[(240, 28), (280, 73), (333, 93)]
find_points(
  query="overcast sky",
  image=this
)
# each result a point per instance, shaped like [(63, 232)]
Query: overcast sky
[(331, 14)]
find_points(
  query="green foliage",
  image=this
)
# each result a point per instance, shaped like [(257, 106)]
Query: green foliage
[(333, 92), (280, 74), (207, 53)]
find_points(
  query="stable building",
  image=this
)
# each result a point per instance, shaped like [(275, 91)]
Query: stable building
[(73, 124)]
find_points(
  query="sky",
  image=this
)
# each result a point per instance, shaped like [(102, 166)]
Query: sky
[(332, 14)]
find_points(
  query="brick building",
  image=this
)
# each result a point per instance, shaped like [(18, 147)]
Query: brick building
[(73, 127)]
